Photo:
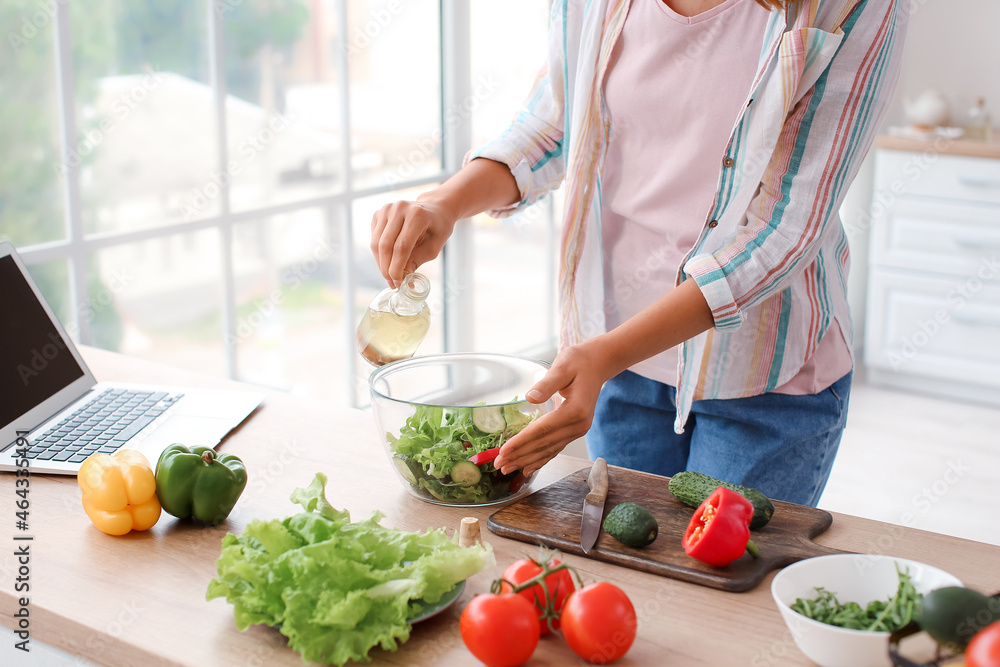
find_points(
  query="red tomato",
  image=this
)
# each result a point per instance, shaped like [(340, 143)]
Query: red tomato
[(984, 649), (500, 630), (599, 622), (560, 585)]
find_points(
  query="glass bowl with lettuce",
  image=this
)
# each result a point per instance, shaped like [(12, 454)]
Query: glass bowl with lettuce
[(444, 417)]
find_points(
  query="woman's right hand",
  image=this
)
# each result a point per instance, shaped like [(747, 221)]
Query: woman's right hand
[(405, 234)]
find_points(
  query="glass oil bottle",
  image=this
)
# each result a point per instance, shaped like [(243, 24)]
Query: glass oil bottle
[(977, 124), (396, 321)]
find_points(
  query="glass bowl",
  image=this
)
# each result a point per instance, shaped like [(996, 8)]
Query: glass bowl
[(441, 419)]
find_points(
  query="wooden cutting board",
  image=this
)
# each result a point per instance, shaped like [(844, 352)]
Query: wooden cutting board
[(551, 517)]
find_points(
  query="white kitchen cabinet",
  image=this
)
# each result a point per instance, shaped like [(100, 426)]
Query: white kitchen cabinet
[(933, 312)]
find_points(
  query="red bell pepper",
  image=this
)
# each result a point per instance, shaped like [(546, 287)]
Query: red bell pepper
[(719, 531), (485, 456)]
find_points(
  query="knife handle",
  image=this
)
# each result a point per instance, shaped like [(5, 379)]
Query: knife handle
[(597, 480)]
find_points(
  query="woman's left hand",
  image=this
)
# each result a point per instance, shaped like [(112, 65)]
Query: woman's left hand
[(577, 374)]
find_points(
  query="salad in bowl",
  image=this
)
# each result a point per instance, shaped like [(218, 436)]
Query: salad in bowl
[(441, 440)]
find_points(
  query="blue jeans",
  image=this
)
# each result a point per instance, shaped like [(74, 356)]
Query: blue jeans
[(779, 444)]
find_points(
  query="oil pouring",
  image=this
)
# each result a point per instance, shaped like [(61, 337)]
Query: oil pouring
[(396, 321)]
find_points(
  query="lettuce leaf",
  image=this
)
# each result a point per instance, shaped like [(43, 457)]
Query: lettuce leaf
[(433, 439), (337, 589)]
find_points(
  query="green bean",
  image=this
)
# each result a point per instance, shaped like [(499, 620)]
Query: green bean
[(877, 616), (808, 611)]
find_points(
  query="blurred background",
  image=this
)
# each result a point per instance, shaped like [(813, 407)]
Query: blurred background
[(213, 207)]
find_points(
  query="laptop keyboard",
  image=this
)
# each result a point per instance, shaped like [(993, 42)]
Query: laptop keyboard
[(103, 425)]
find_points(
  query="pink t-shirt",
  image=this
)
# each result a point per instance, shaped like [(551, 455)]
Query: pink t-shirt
[(674, 89)]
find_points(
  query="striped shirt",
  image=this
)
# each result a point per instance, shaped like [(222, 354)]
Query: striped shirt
[(772, 256)]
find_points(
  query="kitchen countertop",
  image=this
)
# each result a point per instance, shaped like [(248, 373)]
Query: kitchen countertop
[(140, 599), (942, 145)]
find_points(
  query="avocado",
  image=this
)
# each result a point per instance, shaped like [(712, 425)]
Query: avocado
[(691, 488), (952, 615), (631, 525)]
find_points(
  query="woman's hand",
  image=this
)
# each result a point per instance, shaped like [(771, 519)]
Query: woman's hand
[(405, 234), (577, 374)]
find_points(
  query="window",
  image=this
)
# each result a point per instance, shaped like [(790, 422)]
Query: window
[(193, 182), (516, 255)]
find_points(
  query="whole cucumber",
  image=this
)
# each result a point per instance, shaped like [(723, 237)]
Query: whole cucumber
[(691, 488)]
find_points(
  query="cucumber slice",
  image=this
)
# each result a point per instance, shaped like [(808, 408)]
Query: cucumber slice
[(516, 420), (466, 473), (488, 419), (404, 470)]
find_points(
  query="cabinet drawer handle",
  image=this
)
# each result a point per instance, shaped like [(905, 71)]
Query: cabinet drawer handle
[(979, 182), (970, 321), (975, 244)]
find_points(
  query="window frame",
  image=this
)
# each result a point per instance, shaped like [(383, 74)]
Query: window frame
[(456, 85)]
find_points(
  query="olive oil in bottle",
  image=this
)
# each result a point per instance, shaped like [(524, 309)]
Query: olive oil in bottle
[(396, 321), (977, 122)]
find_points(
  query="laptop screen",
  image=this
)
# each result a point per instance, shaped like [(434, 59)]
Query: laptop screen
[(35, 363)]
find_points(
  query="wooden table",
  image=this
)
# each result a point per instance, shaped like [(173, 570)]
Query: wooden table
[(140, 599)]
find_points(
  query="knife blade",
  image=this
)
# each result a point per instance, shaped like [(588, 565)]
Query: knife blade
[(593, 504)]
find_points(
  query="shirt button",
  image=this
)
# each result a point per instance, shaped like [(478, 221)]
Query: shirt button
[(728, 162), (713, 224)]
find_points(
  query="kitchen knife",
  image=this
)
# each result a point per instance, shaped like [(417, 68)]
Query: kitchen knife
[(593, 504)]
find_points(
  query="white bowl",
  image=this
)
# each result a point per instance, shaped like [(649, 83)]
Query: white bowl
[(857, 578)]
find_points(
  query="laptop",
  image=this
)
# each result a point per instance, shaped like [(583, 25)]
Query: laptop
[(50, 398)]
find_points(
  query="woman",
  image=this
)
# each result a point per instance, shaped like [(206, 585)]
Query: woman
[(706, 146)]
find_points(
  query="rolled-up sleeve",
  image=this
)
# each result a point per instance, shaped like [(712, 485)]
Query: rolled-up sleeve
[(827, 130)]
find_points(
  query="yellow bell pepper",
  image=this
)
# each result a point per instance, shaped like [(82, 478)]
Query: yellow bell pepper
[(119, 492)]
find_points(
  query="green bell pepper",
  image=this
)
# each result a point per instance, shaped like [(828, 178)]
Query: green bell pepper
[(199, 483)]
